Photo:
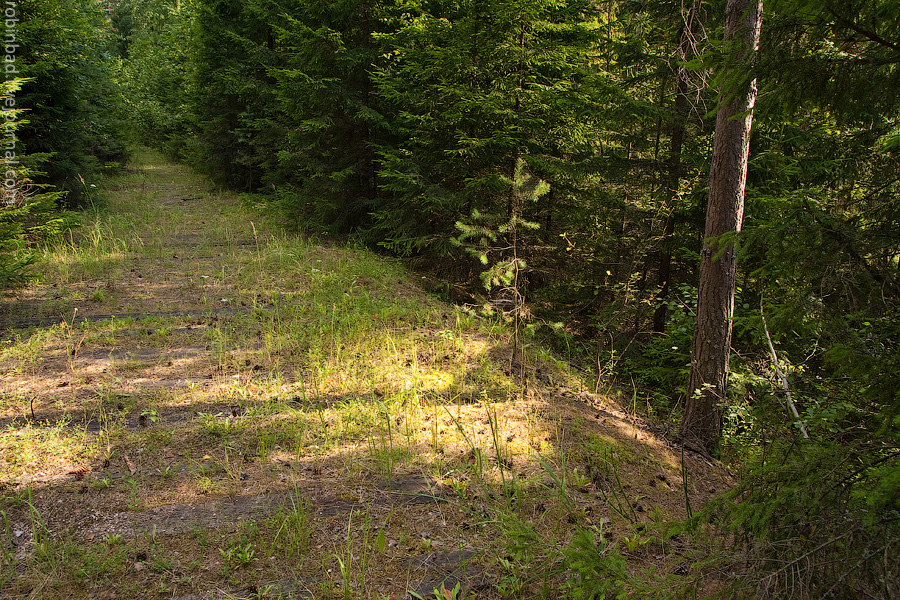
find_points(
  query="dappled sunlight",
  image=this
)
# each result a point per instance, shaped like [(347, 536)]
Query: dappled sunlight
[(198, 381)]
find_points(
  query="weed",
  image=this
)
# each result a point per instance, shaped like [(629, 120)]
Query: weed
[(578, 479), (204, 484), (101, 483), (519, 563), (292, 528), (148, 416), (7, 549), (475, 456), (460, 486), (161, 564), (262, 450), (387, 442), (345, 560), (217, 426), (509, 485), (238, 556), (263, 592), (150, 535), (135, 501), (345, 563), (603, 465), (559, 482), (113, 539), (634, 542), (442, 593), (200, 536), (233, 463)]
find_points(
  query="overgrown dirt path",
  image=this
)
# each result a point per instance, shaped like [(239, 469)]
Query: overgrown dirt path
[(197, 405)]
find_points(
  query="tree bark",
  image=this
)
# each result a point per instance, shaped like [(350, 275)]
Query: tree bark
[(702, 421)]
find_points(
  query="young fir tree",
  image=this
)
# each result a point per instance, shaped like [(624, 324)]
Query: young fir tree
[(28, 213)]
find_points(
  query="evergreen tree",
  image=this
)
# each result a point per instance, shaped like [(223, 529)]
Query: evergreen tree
[(820, 249), (156, 76), (233, 90), (470, 89), (327, 115), (65, 52), (28, 213)]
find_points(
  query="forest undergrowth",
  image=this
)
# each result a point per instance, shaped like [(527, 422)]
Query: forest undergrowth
[(198, 404)]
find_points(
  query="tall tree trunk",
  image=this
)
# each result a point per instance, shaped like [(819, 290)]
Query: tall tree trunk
[(702, 421)]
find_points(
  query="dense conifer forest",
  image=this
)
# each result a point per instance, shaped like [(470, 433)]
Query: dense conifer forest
[(552, 162)]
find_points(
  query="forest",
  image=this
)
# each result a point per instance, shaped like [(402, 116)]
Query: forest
[(563, 165)]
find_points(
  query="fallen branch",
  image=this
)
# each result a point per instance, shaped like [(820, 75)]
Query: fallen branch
[(781, 375)]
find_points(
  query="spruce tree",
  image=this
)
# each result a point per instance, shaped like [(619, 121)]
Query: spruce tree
[(64, 53), (469, 89), (326, 112), (233, 90), (28, 212)]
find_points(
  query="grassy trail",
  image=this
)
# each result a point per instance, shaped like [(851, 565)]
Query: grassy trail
[(197, 405)]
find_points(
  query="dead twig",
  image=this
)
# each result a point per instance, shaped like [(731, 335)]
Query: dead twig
[(781, 375)]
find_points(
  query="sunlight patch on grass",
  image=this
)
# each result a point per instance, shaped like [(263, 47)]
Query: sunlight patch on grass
[(43, 447)]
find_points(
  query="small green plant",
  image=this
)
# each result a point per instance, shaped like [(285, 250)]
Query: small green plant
[(215, 426), (510, 584), (386, 453), (559, 483), (134, 495), (442, 593), (39, 531), (101, 483), (238, 556), (262, 450), (634, 542), (6, 543), (475, 453), (504, 462), (161, 564), (460, 486), (518, 564), (603, 462), (345, 562), (577, 479), (264, 591), (149, 416), (245, 554)]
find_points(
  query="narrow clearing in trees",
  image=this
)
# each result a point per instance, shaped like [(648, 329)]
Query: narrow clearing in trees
[(196, 404)]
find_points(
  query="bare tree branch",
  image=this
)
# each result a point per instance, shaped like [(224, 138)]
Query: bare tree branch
[(781, 376)]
